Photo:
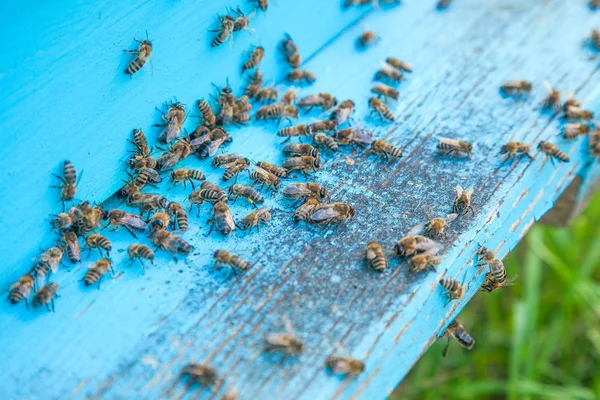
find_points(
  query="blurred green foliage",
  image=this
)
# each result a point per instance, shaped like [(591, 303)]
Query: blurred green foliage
[(539, 339)]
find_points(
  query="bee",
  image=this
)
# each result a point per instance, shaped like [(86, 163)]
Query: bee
[(179, 151), (412, 244), (21, 290), (265, 178), (594, 4), (389, 73), (342, 112), (235, 168), (241, 118), (381, 147), (570, 102), (303, 212), (209, 192), (138, 251), (594, 38), (322, 140), (461, 335), (46, 296), (462, 202), (511, 149), (274, 169), (152, 174), (595, 142), (69, 183), (366, 38), (345, 365), (336, 212), (223, 257), (571, 131), (72, 244), (180, 215), (514, 88), (226, 28), (376, 257), (305, 191), (184, 175), (277, 111), (173, 244), (298, 130), (217, 137), (141, 143), (348, 136), (224, 159), (553, 152), (138, 163), (222, 219), (262, 4), (578, 113), (266, 94), (436, 227), (97, 272), (97, 241), (454, 289), (147, 202), (256, 218), (90, 218), (552, 99), (61, 221), (289, 97), (255, 58), (119, 218), (496, 278), (286, 343), (290, 51), (241, 22), (386, 91), (454, 147), (442, 4), (173, 121), (421, 262), (255, 83), (247, 192), (305, 164), (202, 374), (381, 109), (242, 105), (399, 64), (142, 54), (296, 150), (134, 186), (160, 220), (209, 119), (323, 100), (298, 75), (323, 126)]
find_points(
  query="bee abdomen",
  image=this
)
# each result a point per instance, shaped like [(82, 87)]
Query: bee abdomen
[(15, 296), (92, 276), (69, 173), (379, 263), (561, 155), (453, 287), (220, 38), (135, 65)]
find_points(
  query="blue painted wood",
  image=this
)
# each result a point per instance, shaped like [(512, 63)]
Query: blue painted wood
[(131, 338)]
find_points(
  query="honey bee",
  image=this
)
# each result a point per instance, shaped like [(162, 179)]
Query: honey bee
[(134, 185), (496, 278), (224, 159), (399, 64), (323, 100), (277, 111), (552, 152), (594, 38), (298, 130), (223, 257), (336, 212), (265, 178), (386, 91), (48, 263), (208, 116), (141, 143), (184, 175), (21, 290), (570, 102), (454, 289), (142, 54), (226, 28), (342, 112), (303, 212), (442, 4), (436, 227), (152, 174), (147, 202), (594, 4), (180, 215), (89, 218), (348, 136), (454, 147), (274, 169), (256, 218), (389, 73), (512, 149), (376, 257), (222, 219), (118, 218), (97, 272), (345, 365), (173, 121), (552, 99), (514, 88), (138, 162), (366, 38), (72, 244), (412, 244), (242, 105), (254, 84), (289, 97), (241, 22), (69, 183), (305, 164), (209, 193), (209, 147), (266, 94), (61, 221), (594, 139), (160, 220), (97, 241), (288, 344), (305, 191), (138, 251), (247, 192), (456, 330), (571, 131), (262, 4), (173, 244), (462, 202), (298, 75), (202, 374), (46, 296), (381, 109), (421, 262), (578, 113), (297, 150), (255, 58), (290, 51), (179, 151), (235, 168), (381, 147), (322, 140), (323, 126)]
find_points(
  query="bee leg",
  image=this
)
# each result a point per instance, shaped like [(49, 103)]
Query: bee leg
[(134, 52), (472, 210), (130, 231), (47, 307), (99, 282), (89, 252), (445, 352), (234, 271), (26, 303)]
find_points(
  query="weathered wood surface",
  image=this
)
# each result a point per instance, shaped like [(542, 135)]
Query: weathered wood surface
[(131, 338)]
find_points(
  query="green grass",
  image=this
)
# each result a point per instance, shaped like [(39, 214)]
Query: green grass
[(539, 339)]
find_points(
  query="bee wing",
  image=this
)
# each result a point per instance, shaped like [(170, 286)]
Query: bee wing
[(363, 136), (428, 210), (296, 191), (469, 191), (229, 221), (324, 213), (548, 87), (459, 190), (167, 161), (195, 143), (276, 339), (415, 230), (449, 142), (451, 217), (153, 175), (429, 246), (173, 129), (214, 145), (341, 366), (133, 221)]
